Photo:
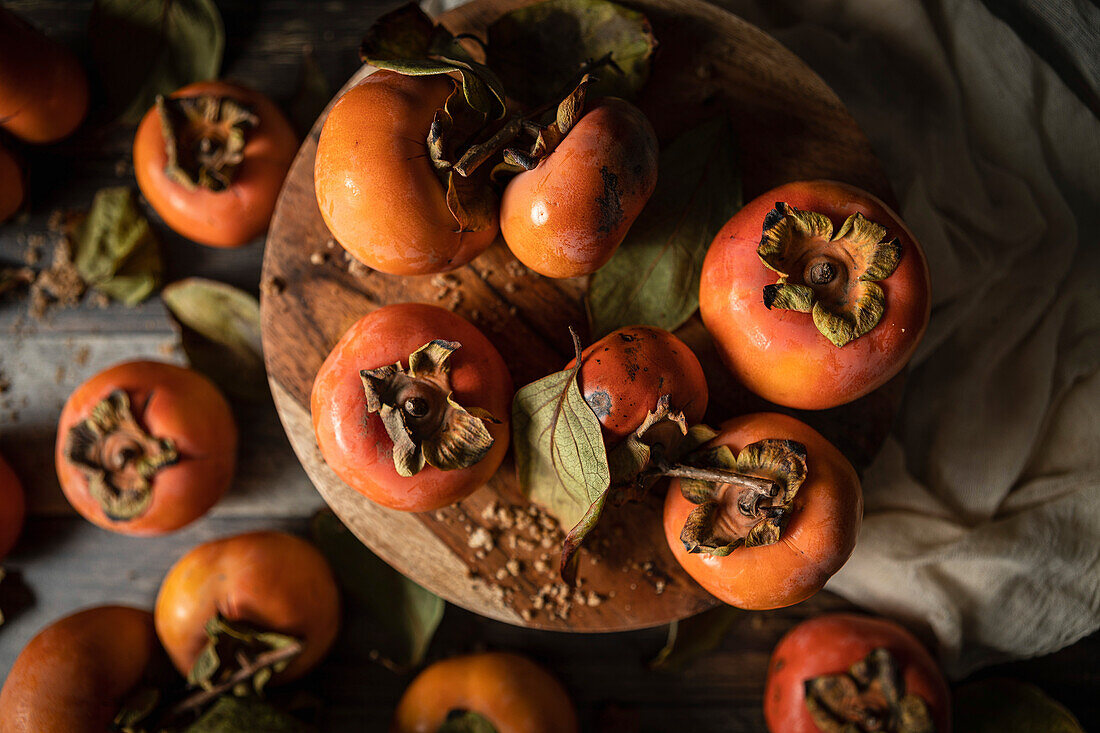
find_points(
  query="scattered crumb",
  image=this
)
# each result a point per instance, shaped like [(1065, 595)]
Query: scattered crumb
[(273, 286), (318, 258)]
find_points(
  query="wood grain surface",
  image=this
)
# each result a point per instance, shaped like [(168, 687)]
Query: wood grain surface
[(790, 126)]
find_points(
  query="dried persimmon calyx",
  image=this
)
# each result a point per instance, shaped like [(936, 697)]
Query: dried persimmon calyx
[(204, 139), (752, 507), (118, 457), (834, 277), (869, 697), (423, 420)]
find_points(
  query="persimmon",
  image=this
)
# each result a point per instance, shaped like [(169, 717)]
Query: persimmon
[(568, 215), (815, 293), (376, 186), (74, 676), (145, 447), (419, 437), (624, 374), (254, 583), (11, 184), (211, 159), (765, 547), (845, 672), (43, 89), (511, 692), (12, 508)]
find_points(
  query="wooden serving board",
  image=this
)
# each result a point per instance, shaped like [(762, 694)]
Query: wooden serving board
[(790, 126)]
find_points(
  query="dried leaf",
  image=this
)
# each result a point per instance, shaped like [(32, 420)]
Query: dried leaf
[(653, 278), (221, 334), (561, 460), (466, 721), (143, 48), (1009, 706), (694, 636), (313, 93), (116, 251), (245, 715), (395, 615), (539, 49)]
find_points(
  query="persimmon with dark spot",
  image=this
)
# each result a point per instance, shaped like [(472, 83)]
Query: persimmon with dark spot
[(211, 159), (412, 407), (12, 508), (568, 215), (249, 585), (846, 672), (145, 447), (763, 546), (815, 293), (510, 692), (75, 675)]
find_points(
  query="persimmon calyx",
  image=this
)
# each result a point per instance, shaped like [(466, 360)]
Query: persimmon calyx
[(465, 721), (743, 500), (118, 457), (547, 137), (425, 423), (204, 139), (868, 698), (834, 277), (236, 655)]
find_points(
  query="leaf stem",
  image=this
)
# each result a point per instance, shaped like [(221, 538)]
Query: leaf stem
[(266, 659)]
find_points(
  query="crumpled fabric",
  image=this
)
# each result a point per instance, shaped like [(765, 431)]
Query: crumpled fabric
[(982, 522)]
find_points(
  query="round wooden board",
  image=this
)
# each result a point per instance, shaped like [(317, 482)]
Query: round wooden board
[(790, 126)]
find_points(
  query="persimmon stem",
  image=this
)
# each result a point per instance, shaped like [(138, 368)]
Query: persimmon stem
[(721, 476), (247, 670), (475, 155)]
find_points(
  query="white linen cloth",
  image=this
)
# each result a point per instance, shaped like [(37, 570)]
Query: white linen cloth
[(982, 516)]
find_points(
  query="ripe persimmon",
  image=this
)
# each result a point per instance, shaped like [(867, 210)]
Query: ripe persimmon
[(866, 673), (145, 447), (12, 508), (756, 551), (74, 676), (511, 692), (806, 317), (568, 215), (11, 184), (43, 89), (211, 159), (624, 374), (259, 582), (377, 189), (411, 408)]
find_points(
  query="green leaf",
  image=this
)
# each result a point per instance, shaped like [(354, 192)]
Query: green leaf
[(653, 278), (221, 334), (561, 459), (245, 715), (1009, 706), (539, 49), (466, 721), (142, 48), (312, 95), (397, 616), (694, 636), (116, 251)]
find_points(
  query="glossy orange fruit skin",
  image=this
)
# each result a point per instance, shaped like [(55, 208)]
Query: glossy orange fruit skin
[(568, 215), (354, 442), (270, 581), (511, 692), (241, 212), (11, 184), (43, 89), (179, 404), (12, 508), (624, 374), (376, 187), (779, 354), (831, 644), (75, 674), (819, 536)]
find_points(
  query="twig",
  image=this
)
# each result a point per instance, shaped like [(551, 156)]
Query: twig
[(763, 486), (267, 659)]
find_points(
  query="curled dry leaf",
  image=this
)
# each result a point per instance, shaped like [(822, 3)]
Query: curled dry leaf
[(389, 613), (538, 50), (235, 653), (653, 278), (115, 250), (221, 334), (143, 48)]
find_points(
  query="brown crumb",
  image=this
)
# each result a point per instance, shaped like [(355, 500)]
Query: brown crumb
[(318, 258), (273, 286), (60, 284)]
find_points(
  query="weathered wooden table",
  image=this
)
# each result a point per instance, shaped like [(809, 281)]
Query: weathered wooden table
[(66, 563)]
